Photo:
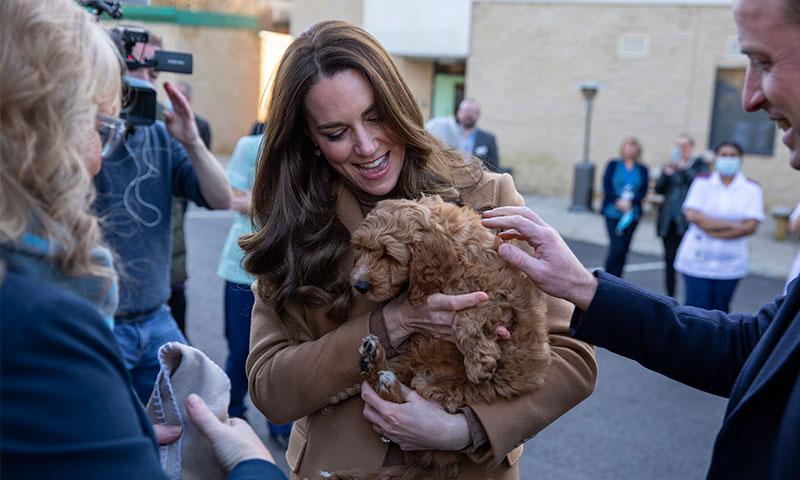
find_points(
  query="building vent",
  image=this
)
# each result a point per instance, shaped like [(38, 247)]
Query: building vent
[(633, 45)]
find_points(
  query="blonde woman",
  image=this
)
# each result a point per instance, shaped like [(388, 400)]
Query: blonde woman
[(68, 410)]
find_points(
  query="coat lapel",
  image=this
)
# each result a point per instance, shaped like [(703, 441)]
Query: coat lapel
[(349, 213)]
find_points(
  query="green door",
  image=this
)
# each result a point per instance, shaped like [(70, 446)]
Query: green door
[(448, 91)]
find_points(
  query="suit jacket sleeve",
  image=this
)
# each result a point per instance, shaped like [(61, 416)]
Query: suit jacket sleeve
[(256, 470), (291, 379), (494, 154), (569, 379), (701, 348)]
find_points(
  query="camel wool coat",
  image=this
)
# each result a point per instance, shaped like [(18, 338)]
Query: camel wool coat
[(316, 382)]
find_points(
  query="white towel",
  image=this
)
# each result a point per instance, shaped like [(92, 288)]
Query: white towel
[(186, 370)]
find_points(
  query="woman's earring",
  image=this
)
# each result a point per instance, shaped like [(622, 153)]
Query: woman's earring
[(317, 151)]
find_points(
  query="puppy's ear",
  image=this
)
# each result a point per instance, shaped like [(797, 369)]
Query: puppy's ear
[(433, 259)]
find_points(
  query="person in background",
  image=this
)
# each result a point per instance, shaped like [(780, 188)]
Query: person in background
[(625, 183), (344, 132), (68, 409), (673, 183), (723, 208), (177, 271), (135, 187), (445, 129), (239, 297), (474, 140)]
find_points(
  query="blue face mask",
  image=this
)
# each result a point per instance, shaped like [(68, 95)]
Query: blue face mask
[(728, 166)]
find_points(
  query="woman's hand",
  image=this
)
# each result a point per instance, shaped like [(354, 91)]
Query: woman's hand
[(233, 442), (240, 201), (418, 424), (623, 204), (434, 317), (166, 434)]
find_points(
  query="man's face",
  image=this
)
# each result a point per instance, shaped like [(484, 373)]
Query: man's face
[(772, 82), (685, 146), (468, 113), (145, 52)]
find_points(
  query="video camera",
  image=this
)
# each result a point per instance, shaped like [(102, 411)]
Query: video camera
[(139, 97)]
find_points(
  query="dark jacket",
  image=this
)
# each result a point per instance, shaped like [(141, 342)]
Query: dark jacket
[(486, 149), (674, 188), (68, 410), (754, 360), (610, 195)]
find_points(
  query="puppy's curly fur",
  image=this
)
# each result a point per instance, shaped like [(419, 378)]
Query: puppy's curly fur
[(430, 246)]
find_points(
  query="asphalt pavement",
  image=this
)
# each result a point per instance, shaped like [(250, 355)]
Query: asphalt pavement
[(637, 424)]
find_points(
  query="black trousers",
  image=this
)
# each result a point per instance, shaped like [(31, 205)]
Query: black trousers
[(672, 240), (618, 246), (177, 303)]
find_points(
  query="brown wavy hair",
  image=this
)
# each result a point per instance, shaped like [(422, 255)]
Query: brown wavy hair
[(58, 67), (299, 244)]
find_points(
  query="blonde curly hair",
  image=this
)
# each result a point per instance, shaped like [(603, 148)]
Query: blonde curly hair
[(58, 68)]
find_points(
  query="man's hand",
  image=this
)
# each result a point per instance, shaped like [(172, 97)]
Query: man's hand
[(180, 122), (233, 442), (418, 424), (553, 267)]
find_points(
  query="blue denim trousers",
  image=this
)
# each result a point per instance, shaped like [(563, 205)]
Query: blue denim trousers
[(239, 302), (139, 342)]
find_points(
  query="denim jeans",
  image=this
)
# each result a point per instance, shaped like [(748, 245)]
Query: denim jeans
[(239, 302), (139, 342)]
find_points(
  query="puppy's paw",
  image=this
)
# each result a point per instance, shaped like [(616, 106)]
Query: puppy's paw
[(388, 387), (373, 358)]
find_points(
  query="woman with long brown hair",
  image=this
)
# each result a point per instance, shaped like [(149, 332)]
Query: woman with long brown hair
[(344, 132)]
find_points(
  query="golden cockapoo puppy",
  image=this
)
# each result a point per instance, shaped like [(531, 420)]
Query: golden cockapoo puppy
[(430, 246)]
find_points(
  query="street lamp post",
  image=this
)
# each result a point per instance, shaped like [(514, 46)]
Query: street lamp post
[(583, 186)]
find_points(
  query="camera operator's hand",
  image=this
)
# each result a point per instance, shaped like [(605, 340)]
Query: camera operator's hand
[(181, 125), (180, 122)]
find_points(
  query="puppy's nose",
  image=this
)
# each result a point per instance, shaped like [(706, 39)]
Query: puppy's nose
[(362, 286)]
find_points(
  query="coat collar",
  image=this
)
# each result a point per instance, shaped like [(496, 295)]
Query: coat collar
[(347, 207)]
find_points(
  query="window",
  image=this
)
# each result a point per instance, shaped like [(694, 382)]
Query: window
[(755, 132)]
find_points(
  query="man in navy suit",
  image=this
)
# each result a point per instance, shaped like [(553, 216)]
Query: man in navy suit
[(474, 140), (753, 359)]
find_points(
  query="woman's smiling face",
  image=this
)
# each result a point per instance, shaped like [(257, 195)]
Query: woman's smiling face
[(344, 122)]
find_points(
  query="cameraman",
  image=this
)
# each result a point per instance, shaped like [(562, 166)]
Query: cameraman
[(134, 197)]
